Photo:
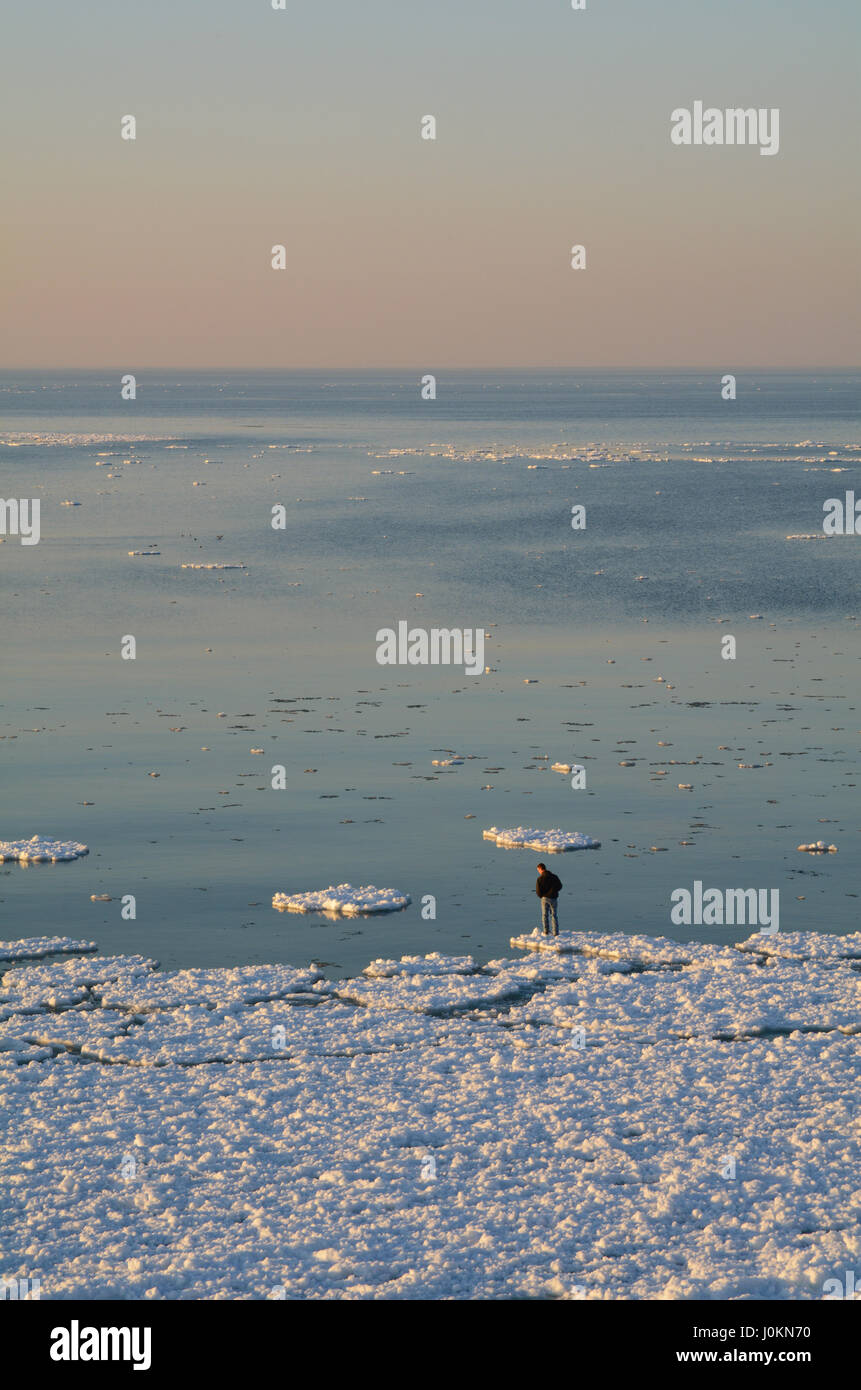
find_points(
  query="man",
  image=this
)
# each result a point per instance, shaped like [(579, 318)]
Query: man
[(547, 887)]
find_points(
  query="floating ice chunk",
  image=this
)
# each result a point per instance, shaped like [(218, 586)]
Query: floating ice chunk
[(447, 762), (343, 899), (51, 438), (567, 767), (214, 567), (551, 841), (819, 847), (40, 849), (35, 946)]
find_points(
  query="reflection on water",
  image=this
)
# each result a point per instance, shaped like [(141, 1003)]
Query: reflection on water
[(617, 628)]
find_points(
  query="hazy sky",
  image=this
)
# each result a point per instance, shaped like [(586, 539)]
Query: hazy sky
[(302, 127)]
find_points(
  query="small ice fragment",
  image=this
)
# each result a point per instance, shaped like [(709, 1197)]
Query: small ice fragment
[(553, 841), (344, 899), (39, 849)]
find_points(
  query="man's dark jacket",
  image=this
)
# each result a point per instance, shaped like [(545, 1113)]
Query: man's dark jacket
[(547, 885)]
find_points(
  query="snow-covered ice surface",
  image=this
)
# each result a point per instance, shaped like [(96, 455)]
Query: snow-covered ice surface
[(438, 1129), (804, 945), (344, 899), (40, 849), (433, 994), (551, 841), (638, 950), (64, 983), (215, 988), (32, 946), (434, 964)]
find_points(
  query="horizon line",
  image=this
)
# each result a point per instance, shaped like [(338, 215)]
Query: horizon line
[(668, 367)]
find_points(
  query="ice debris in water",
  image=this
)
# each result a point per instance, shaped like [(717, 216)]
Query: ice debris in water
[(344, 899), (552, 841), (40, 849)]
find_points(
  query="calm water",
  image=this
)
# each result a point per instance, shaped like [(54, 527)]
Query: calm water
[(689, 500)]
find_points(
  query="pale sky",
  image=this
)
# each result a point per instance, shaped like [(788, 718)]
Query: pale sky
[(302, 127)]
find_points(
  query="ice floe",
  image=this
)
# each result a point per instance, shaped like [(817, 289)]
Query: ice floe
[(216, 987), (40, 849), (637, 950), (551, 841), (554, 1127), (35, 946), (61, 984), (433, 964), (345, 899), (806, 945), (720, 999), (433, 994)]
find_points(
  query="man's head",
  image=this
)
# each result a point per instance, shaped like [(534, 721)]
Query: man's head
[(542, 868)]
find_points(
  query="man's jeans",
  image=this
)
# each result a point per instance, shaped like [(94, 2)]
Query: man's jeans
[(548, 916)]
